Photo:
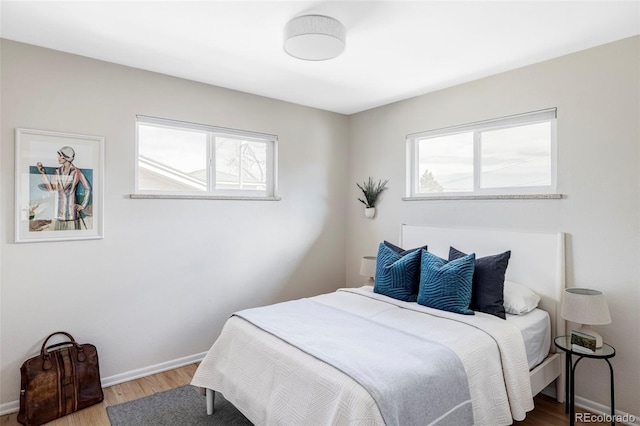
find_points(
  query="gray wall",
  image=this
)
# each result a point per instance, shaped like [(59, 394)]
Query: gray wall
[(597, 93), (168, 273)]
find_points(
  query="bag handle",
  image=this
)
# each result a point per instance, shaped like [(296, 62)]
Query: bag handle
[(71, 341), (46, 357)]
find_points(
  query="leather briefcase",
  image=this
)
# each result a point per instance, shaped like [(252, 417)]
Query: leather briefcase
[(64, 378)]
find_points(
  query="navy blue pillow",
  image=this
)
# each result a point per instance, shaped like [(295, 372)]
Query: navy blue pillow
[(446, 285), (487, 292), (400, 250), (397, 276)]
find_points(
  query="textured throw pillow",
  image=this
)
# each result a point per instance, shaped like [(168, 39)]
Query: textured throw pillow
[(397, 275), (446, 285), (519, 299), (488, 282)]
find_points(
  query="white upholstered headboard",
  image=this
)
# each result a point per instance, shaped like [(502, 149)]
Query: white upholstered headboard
[(537, 259)]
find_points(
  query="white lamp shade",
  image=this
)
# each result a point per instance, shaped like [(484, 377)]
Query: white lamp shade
[(585, 306), (368, 266), (314, 38)]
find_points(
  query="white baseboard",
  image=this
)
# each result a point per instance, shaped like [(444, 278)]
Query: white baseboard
[(9, 407), (152, 369), (605, 410), (14, 406)]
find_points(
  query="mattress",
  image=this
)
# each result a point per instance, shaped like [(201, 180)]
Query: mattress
[(535, 328)]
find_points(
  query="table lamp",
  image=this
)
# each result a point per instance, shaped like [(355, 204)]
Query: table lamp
[(368, 268), (586, 307)]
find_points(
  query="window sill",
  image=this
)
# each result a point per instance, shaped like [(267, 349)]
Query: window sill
[(199, 197), (488, 197)]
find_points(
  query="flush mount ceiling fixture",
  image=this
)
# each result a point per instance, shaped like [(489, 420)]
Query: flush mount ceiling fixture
[(314, 38)]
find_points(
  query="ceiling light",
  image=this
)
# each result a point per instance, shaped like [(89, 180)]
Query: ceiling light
[(314, 38)]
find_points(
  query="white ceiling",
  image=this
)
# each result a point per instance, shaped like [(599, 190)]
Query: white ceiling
[(395, 49)]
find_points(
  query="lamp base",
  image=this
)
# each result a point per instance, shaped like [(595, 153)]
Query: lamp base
[(590, 331)]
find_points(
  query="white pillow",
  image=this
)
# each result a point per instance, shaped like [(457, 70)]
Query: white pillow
[(519, 299)]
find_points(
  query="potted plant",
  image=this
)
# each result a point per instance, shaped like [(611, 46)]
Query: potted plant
[(371, 193)]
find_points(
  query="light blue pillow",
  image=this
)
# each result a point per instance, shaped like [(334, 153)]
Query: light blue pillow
[(397, 276), (446, 285)]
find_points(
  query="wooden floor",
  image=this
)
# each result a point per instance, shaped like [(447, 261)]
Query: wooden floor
[(548, 412)]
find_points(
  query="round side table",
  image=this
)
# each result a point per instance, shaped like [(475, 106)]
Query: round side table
[(605, 352)]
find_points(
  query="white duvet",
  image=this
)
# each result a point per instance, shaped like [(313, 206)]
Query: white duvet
[(274, 383)]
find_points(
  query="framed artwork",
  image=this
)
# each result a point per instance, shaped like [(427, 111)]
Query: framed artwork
[(59, 186)]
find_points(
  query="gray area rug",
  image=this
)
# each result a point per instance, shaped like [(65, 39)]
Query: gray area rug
[(183, 406)]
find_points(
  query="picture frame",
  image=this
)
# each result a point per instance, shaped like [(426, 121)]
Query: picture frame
[(59, 181), (583, 342)]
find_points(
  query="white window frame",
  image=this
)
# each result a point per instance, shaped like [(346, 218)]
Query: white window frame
[(210, 191), (412, 166)]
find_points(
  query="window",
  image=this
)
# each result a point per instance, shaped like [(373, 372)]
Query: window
[(182, 159), (514, 155)]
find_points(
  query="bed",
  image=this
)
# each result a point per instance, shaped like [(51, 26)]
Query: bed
[(294, 379)]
